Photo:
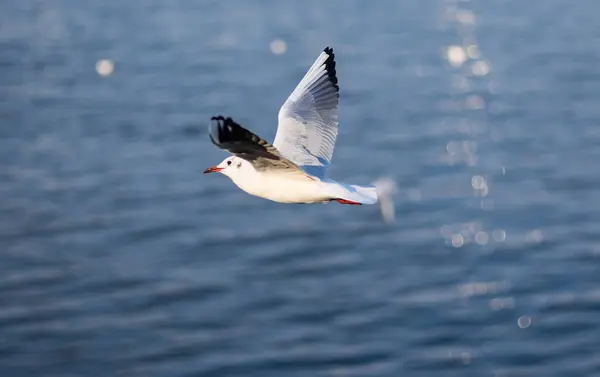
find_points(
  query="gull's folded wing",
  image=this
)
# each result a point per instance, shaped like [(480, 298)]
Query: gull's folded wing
[(308, 120)]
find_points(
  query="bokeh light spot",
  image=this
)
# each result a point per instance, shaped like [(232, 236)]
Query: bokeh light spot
[(278, 47), (524, 322), (499, 235), (105, 67), (458, 240), (480, 68), (456, 56), (481, 238)]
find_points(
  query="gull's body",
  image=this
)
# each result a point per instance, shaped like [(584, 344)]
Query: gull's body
[(293, 168), (279, 187)]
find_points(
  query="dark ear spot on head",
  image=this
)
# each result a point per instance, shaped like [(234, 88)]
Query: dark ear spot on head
[(239, 165)]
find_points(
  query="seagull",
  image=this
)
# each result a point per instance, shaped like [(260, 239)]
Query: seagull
[(293, 168)]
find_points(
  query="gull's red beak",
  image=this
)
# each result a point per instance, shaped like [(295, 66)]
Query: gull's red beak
[(213, 169)]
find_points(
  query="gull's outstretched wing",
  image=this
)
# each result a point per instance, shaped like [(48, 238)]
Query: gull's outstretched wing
[(227, 134), (308, 120)]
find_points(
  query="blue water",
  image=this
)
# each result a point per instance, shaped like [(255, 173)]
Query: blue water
[(119, 258)]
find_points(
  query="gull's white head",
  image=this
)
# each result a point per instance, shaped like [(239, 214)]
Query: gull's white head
[(231, 167)]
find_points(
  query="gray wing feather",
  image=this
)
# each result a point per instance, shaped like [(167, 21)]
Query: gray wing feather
[(308, 120)]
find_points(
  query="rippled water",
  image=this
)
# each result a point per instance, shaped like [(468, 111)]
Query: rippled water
[(119, 258)]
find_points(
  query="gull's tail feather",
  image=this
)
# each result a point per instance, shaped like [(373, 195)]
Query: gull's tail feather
[(352, 194)]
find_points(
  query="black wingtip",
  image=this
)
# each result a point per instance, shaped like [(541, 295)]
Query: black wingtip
[(221, 121), (330, 67), (217, 123), (225, 133), (220, 118)]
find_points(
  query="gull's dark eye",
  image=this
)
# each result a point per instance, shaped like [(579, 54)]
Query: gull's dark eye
[(229, 162)]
